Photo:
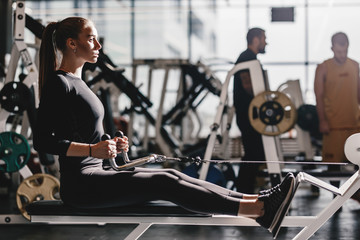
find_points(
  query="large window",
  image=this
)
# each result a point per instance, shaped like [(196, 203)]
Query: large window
[(294, 48), (208, 29)]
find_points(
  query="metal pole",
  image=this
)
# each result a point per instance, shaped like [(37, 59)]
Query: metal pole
[(132, 29), (189, 29), (5, 28), (306, 46), (247, 14)]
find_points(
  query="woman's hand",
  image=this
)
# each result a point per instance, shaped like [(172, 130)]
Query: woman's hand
[(122, 144), (104, 149), (110, 148)]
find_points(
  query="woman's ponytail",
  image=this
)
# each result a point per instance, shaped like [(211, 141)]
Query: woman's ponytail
[(48, 61)]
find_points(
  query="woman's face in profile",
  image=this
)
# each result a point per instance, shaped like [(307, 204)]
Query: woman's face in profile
[(87, 44)]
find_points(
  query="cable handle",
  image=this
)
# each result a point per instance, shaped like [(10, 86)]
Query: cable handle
[(111, 160), (124, 154)]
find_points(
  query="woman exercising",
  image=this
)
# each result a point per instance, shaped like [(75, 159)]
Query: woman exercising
[(70, 124)]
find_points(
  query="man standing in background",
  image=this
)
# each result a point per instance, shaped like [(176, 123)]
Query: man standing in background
[(243, 94), (337, 91)]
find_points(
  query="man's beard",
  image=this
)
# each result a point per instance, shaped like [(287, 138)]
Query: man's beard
[(262, 50)]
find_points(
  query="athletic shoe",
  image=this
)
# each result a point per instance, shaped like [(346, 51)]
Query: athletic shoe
[(268, 191), (276, 204)]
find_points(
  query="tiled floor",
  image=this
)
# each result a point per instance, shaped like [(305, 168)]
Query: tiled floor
[(344, 225)]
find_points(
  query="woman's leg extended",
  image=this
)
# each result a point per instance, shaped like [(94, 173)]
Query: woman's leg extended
[(111, 188), (210, 186), (201, 196)]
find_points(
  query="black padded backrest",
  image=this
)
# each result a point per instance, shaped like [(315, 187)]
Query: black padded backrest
[(156, 208)]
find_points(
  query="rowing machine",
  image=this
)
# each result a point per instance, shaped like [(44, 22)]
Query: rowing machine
[(55, 212)]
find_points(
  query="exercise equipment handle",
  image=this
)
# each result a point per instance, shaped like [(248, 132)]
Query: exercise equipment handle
[(129, 164), (124, 154), (111, 160), (134, 163)]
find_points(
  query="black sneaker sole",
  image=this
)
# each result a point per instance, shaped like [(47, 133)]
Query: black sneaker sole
[(280, 214), (285, 208)]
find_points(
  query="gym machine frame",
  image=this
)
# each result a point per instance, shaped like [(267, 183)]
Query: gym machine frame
[(303, 140), (30, 81), (185, 100), (18, 50), (153, 64), (271, 143)]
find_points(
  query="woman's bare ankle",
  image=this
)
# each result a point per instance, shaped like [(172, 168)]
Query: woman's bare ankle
[(251, 208), (250, 196)]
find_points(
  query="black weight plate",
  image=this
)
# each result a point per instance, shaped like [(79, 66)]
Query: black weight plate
[(14, 97), (308, 119)]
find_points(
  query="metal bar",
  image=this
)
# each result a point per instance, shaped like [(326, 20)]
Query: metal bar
[(304, 177), (138, 231), (215, 220), (330, 210), (134, 163), (277, 162), (13, 219)]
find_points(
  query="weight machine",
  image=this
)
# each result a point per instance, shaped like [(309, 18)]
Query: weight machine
[(271, 113), (272, 143), (195, 82), (292, 89), (19, 99)]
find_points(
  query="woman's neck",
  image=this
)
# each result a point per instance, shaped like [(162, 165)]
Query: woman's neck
[(76, 71)]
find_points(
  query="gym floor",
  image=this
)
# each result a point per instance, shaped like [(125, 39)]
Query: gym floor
[(344, 225)]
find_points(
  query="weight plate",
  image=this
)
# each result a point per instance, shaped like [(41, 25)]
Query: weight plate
[(14, 97), (308, 120), (35, 188), (272, 113), (14, 151)]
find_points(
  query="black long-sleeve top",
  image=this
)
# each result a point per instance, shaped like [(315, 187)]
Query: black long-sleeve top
[(68, 111)]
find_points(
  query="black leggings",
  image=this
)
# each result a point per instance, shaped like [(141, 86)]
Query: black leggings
[(98, 188)]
